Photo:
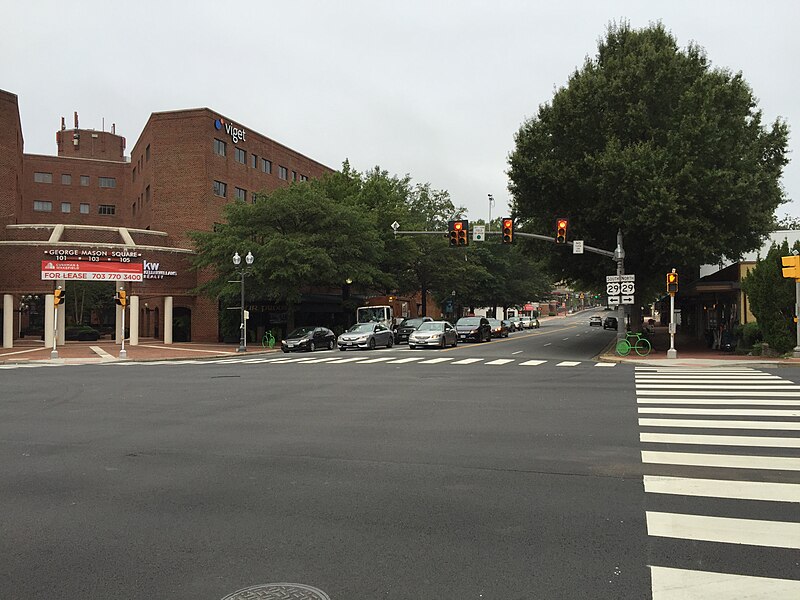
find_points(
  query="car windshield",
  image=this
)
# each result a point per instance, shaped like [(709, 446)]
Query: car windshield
[(361, 328), (301, 332), (411, 323), (431, 326), (474, 321), (494, 322)]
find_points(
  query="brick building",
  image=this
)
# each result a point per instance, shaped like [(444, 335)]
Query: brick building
[(92, 203)]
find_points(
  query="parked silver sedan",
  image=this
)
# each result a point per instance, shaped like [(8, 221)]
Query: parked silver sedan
[(366, 335), (438, 334)]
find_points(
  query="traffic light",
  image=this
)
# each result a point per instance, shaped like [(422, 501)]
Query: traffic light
[(121, 298), (459, 232), (672, 283), (58, 297), (791, 266), (508, 231), (561, 231)]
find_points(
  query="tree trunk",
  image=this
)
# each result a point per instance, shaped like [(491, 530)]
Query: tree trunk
[(424, 300)]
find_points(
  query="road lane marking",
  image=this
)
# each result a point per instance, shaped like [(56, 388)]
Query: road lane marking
[(743, 412), (500, 361), (375, 360), (720, 440), (532, 363), (729, 393), (549, 344), (568, 363), (722, 488), (517, 352), (753, 532), (565, 339), (721, 424), (467, 361), (701, 378), (404, 360), (715, 386), (710, 401), (605, 364), (434, 361), (321, 360), (727, 461), (339, 361), (683, 584)]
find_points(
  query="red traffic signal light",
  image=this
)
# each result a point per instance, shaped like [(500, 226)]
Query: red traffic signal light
[(561, 231), (672, 283), (458, 232), (508, 231)]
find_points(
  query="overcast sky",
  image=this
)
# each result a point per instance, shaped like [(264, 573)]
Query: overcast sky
[(433, 89)]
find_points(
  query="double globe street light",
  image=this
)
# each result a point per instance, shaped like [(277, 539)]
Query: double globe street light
[(237, 260)]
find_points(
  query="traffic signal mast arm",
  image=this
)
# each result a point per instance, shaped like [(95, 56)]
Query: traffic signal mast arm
[(534, 236)]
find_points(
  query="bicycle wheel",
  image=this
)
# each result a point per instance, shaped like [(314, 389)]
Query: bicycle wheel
[(623, 347), (642, 347)]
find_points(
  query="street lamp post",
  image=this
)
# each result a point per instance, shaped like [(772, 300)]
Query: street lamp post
[(237, 260), (491, 204)]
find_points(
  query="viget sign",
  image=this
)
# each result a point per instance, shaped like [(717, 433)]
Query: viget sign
[(235, 133)]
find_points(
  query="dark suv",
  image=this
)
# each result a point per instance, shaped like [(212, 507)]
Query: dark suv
[(610, 323), (407, 327), (476, 329)]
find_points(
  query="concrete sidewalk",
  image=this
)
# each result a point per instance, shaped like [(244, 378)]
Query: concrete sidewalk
[(26, 351), (692, 353)]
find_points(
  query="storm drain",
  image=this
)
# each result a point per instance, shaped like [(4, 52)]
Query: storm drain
[(278, 591)]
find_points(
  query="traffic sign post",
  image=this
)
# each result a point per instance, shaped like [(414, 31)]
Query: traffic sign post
[(672, 288)]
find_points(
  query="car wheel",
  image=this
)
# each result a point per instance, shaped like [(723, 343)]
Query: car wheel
[(390, 342), (443, 344), (412, 347), (285, 350), (341, 348), (371, 343), (311, 347), (330, 345), (455, 342)]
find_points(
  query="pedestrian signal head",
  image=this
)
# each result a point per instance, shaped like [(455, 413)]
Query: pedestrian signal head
[(561, 231), (121, 298), (672, 283), (58, 296), (791, 266), (508, 231)]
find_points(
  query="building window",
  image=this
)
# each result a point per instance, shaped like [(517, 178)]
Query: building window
[(66, 179), (239, 155), (108, 182), (133, 209), (241, 194), (253, 161), (147, 152), (283, 173), (106, 209), (219, 147), (294, 175), (220, 188), (84, 180), (42, 206), (266, 165), (147, 193), (43, 177), (134, 174), (84, 209), (66, 207), (303, 178)]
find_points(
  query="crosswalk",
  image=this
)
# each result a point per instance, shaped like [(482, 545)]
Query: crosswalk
[(370, 359), (722, 468)]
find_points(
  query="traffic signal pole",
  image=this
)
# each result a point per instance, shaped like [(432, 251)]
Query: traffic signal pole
[(796, 350)]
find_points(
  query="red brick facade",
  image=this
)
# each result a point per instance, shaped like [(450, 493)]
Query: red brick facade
[(164, 190)]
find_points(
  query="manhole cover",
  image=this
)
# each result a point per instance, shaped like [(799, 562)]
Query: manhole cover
[(278, 591)]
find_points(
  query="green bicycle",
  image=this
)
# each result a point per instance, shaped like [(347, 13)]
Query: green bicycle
[(268, 340), (634, 341)]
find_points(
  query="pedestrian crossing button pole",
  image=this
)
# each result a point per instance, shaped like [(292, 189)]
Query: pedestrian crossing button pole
[(58, 298), (122, 299)]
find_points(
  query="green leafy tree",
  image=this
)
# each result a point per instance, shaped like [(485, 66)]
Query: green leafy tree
[(650, 139), (772, 298), (300, 238)]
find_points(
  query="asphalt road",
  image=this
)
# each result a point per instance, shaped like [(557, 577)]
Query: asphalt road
[(473, 476)]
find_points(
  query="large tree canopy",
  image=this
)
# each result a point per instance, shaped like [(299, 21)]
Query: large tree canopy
[(650, 139)]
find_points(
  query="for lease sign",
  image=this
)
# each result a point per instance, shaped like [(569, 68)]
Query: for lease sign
[(92, 271)]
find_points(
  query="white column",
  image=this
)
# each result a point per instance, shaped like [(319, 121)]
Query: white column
[(8, 321), (62, 322), (134, 326), (49, 319), (168, 320), (118, 326)]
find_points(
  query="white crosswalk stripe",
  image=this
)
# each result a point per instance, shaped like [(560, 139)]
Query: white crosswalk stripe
[(669, 401)]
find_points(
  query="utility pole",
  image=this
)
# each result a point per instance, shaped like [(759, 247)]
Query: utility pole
[(619, 257)]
